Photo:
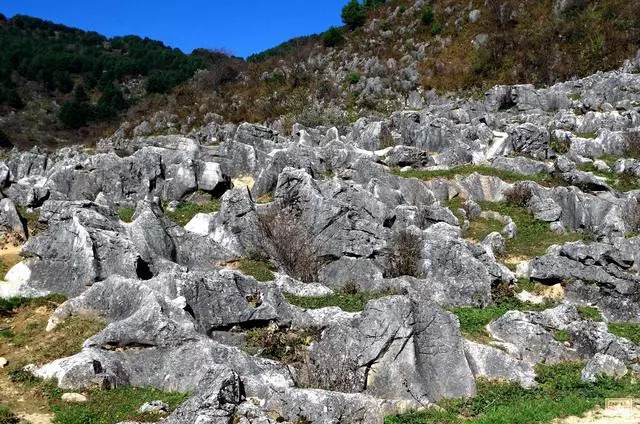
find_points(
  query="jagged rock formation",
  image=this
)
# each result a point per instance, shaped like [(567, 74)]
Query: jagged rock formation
[(335, 218)]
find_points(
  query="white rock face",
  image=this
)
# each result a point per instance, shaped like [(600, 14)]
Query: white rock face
[(209, 176), (200, 224), (73, 398)]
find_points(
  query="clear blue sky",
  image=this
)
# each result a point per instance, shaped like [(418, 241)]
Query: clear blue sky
[(240, 26)]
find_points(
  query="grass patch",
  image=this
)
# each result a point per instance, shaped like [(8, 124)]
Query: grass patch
[(260, 270), (348, 302), (512, 177), (534, 236), (8, 417), (561, 336), (112, 406), (560, 393), (591, 135), (473, 321), (589, 312), (126, 214), (620, 182), (480, 228), (8, 306), (187, 210), (628, 331)]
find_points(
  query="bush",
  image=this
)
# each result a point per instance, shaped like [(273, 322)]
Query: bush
[(353, 14), (332, 37), (519, 195), (75, 115), (436, 28), (290, 244), (426, 17), (404, 254), (354, 78)]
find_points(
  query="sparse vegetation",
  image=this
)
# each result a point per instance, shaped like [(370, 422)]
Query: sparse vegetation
[(288, 241), (519, 195), (427, 16), (560, 393), (10, 305), (622, 182), (282, 344), (8, 417), (345, 300), (404, 254)]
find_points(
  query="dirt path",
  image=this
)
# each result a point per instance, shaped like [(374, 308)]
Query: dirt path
[(603, 416)]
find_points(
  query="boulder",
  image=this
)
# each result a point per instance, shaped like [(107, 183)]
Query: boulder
[(602, 364)]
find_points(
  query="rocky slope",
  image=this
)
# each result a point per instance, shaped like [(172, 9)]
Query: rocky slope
[(339, 212)]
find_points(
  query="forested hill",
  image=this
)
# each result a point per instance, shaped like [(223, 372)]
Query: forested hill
[(92, 78)]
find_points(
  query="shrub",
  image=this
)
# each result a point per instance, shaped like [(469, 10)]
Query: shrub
[(426, 17), (74, 114), (404, 254), (436, 28), (354, 78), (286, 345), (353, 14), (290, 244), (332, 37), (519, 195)]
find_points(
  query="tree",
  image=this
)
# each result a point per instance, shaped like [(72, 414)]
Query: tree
[(372, 4), (74, 114), (332, 37), (353, 14)]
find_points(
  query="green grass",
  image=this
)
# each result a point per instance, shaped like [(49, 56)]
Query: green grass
[(126, 214), (8, 417), (561, 336), (534, 236), (346, 301), (480, 228), (560, 393), (7, 306), (473, 321), (543, 178), (260, 270), (574, 96), (628, 331), (591, 135), (187, 210), (589, 312), (620, 182)]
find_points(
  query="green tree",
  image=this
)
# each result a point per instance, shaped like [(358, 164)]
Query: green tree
[(427, 16), (75, 115), (353, 14), (332, 37)]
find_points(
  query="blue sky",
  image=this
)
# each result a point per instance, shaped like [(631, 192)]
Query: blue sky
[(240, 26)]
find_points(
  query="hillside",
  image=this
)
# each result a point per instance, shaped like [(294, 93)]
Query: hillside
[(399, 56), (55, 80), (405, 49), (394, 244)]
